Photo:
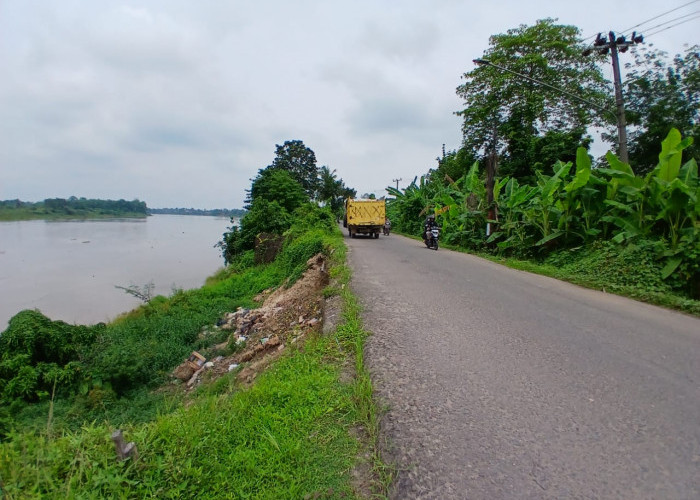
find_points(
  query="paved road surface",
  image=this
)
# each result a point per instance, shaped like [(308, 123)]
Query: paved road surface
[(504, 384)]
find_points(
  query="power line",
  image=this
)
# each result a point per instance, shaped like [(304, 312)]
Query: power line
[(674, 19), (660, 15), (672, 26), (648, 20)]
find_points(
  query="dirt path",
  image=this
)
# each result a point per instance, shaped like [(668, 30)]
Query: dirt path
[(502, 384)]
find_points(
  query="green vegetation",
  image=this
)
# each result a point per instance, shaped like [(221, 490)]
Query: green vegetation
[(631, 229), (530, 124), (286, 437), (286, 190), (91, 365), (65, 388), (660, 95), (72, 208), (603, 227)]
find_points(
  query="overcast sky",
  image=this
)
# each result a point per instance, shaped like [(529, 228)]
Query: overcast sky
[(179, 103)]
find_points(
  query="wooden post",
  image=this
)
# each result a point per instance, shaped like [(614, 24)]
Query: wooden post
[(124, 451)]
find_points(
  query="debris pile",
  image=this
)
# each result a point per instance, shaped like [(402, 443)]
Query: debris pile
[(259, 335)]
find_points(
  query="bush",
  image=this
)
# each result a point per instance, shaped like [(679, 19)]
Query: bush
[(606, 264), (36, 353), (263, 217)]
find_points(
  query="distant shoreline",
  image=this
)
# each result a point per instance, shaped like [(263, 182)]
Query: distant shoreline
[(88, 209), (9, 217), (217, 212)]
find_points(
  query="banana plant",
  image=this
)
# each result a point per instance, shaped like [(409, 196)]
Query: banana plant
[(543, 211), (570, 199), (673, 189), (626, 199), (409, 205), (512, 200)]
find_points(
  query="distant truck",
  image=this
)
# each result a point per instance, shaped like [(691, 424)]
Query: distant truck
[(364, 217)]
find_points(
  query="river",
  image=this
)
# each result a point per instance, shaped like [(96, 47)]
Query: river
[(69, 269)]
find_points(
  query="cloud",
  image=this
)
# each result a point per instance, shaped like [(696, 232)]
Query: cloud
[(180, 103)]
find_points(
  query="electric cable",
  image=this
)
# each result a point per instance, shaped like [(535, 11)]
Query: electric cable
[(649, 20), (660, 15), (673, 20), (672, 26)]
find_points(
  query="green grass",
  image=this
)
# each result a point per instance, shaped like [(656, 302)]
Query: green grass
[(629, 272), (291, 435), (620, 274)]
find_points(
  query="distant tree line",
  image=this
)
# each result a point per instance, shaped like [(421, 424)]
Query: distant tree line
[(72, 207), (217, 212)]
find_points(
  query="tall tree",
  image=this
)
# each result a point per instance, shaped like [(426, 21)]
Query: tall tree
[(661, 95), (506, 111), (332, 191), (279, 186), (300, 162)]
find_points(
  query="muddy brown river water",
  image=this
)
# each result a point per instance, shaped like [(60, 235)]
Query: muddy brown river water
[(69, 269)]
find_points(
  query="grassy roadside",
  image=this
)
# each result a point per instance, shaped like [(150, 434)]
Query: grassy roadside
[(588, 278), (304, 430), (620, 273)]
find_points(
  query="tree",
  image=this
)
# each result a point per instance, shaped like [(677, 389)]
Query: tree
[(661, 96), (300, 162), (509, 112), (279, 186), (453, 165), (332, 190), (264, 216)]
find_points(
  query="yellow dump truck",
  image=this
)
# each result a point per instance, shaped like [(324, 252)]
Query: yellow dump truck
[(364, 216)]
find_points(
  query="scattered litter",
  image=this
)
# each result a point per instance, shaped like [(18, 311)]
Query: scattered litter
[(232, 366), (196, 360)]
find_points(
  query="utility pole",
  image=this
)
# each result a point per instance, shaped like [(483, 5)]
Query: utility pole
[(614, 45), (491, 168), (397, 183)]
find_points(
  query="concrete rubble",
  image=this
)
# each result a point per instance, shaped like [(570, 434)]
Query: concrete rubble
[(260, 335)]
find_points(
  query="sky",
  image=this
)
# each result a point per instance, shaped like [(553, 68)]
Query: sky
[(180, 103)]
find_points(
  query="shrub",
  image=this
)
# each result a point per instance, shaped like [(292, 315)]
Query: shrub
[(36, 352)]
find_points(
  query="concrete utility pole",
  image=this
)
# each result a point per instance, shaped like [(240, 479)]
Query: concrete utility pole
[(619, 103), (491, 168), (614, 45), (397, 183)]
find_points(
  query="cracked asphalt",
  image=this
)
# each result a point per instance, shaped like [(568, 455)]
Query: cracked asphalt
[(504, 384)]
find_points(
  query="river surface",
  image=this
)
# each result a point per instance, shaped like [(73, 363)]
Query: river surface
[(69, 269)]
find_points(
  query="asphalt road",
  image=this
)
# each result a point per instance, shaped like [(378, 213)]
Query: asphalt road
[(504, 384)]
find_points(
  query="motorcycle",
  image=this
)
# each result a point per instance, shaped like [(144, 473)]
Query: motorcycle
[(431, 238), (386, 228)]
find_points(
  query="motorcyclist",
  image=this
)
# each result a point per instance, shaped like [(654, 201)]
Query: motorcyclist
[(387, 225), (428, 225)]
